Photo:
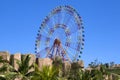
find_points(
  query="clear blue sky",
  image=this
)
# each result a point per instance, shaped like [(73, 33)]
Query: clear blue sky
[(20, 20)]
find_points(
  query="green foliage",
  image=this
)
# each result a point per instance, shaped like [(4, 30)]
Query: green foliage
[(56, 71), (57, 62), (115, 71), (3, 61), (47, 73), (6, 70), (24, 67)]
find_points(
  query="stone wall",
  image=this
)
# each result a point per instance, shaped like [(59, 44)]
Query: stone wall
[(13, 58), (16, 57), (43, 62), (5, 56)]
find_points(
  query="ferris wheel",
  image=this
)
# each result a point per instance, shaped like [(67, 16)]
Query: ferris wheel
[(61, 34)]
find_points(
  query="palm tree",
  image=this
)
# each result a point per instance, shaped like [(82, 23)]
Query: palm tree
[(3, 60), (47, 73), (6, 70), (23, 71)]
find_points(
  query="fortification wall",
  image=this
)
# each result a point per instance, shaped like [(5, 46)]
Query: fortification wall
[(12, 59)]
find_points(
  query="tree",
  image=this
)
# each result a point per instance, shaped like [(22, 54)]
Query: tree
[(23, 71), (6, 70), (99, 71), (46, 73), (75, 71)]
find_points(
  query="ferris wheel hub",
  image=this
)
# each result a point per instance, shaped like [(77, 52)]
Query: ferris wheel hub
[(57, 42)]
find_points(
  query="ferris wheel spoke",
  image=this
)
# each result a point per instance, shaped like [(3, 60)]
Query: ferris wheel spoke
[(68, 19), (44, 39), (47, 34), (73, 29), (82, 32), (42, 52), (59, 17), (72, 53), (62, 16), (76, 56), (68, 56), (70, 47), (49, 52), (53, 21), (69, 53), (66, 53)]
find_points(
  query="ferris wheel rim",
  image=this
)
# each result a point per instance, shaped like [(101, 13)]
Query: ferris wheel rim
[(55, 11)]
